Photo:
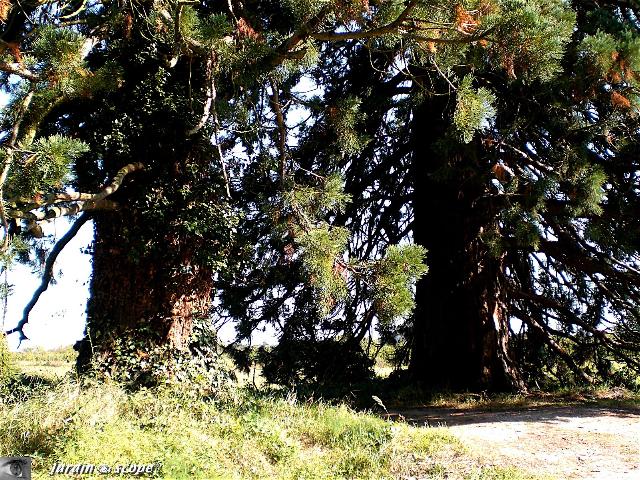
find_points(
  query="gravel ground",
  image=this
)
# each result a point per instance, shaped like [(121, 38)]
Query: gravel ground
[(566, 442)]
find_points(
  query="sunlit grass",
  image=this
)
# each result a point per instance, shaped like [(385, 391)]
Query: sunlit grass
[(246, 433), (49, 370), (237, 434)]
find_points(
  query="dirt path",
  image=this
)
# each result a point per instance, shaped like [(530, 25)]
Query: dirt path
[(567, 442)]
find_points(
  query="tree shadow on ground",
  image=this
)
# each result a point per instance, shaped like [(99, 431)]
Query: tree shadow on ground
[(449, 416)]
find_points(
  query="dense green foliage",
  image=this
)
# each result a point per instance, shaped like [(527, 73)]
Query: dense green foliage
[(39, 354)]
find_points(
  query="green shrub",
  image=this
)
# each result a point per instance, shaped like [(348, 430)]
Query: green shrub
[(7, 366)]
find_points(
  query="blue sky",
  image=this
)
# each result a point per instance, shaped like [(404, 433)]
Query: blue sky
[(59, 317)]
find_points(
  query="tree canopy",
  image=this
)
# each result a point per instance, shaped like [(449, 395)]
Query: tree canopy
[(291, 163)]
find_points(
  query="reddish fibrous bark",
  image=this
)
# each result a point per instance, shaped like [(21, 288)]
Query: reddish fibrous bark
[(147, 284)]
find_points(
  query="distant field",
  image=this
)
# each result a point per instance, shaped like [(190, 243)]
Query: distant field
[(48, 364), (48, 370)]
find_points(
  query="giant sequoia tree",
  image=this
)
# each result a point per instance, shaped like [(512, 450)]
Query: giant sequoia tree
[(500, 136), (493, 155), (535, 217), (527, 219)]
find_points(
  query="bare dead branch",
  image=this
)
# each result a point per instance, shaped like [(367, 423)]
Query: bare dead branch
[(52, 198), (48, 275), (216, 135), (210, 99), (57, 212), (83, 201)]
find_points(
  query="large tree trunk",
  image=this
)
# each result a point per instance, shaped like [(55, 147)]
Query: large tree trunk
[(154, 259), (460, 336), (152, 269), (150, 297)]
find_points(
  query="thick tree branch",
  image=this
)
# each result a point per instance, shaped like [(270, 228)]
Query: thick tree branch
[(83, 201), (568, 317), (531, 323), (77, 196), (574, 258), (301, 34), (56, 212), (195, 46), (336, 37), (306, 30), (392, 27), (17, 69), (283, 133)]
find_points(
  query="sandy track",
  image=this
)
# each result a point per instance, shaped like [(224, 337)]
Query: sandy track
[(568, 442)]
